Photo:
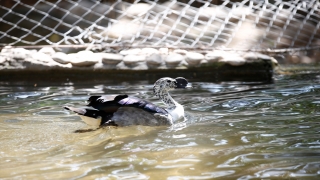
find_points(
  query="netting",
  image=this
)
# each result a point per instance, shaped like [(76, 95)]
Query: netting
[(247, 24)]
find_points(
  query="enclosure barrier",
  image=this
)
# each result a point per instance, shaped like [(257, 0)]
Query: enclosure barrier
[(285, 30)]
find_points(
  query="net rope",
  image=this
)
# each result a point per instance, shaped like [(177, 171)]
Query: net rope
[(197, 24)]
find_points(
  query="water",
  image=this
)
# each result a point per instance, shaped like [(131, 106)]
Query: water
[(235, 130)]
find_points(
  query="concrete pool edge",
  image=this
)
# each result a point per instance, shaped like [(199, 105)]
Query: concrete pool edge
[(215, 72), (134, 64)]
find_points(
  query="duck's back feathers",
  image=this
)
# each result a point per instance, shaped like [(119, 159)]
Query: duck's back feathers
[(122, 110), (127, 116), (110, 104)]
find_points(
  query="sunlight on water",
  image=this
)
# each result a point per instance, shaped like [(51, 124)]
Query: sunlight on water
[(234, 130)]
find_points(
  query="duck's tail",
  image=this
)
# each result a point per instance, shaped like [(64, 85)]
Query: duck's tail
[(92, 116), (80, 111)]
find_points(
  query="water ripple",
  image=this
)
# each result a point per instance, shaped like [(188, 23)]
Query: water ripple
[(234, 130)]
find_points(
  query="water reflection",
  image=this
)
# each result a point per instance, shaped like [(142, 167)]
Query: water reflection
[(234, 130)]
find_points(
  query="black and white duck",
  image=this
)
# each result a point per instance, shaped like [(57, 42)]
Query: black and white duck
[(124, 110)]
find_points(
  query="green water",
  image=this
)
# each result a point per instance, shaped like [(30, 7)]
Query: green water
[(235, 130)]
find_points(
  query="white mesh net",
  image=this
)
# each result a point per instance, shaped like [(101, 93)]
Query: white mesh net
[(247, 24)]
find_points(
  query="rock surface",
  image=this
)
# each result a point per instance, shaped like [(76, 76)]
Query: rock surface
[(213, 57), (47, 50), (233, 59), (130, 59), (180, 51), (149, 51), (42, 57), (84, 58), (173, 59), (133, 60), (154, 60), (193, 58), (111, 59), (20, 53), (164, 51), (61, 57), (3, 59), (130, 51)]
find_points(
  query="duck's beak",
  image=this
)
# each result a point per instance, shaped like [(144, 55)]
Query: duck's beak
[(181, 82), (183, 86), (189, 86)]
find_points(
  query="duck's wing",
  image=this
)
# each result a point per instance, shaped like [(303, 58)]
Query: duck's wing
[(91, 116), (110, 104), (84, 111)]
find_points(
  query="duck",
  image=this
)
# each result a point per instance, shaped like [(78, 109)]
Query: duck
[(124, 110)]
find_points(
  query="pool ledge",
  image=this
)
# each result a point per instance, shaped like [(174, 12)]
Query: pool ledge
[(136, 64)]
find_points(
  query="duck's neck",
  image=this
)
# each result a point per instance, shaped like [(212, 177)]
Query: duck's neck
[(174, 109), (167, 99)]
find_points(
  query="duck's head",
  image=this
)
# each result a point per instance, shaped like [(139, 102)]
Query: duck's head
[(167, 84)]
